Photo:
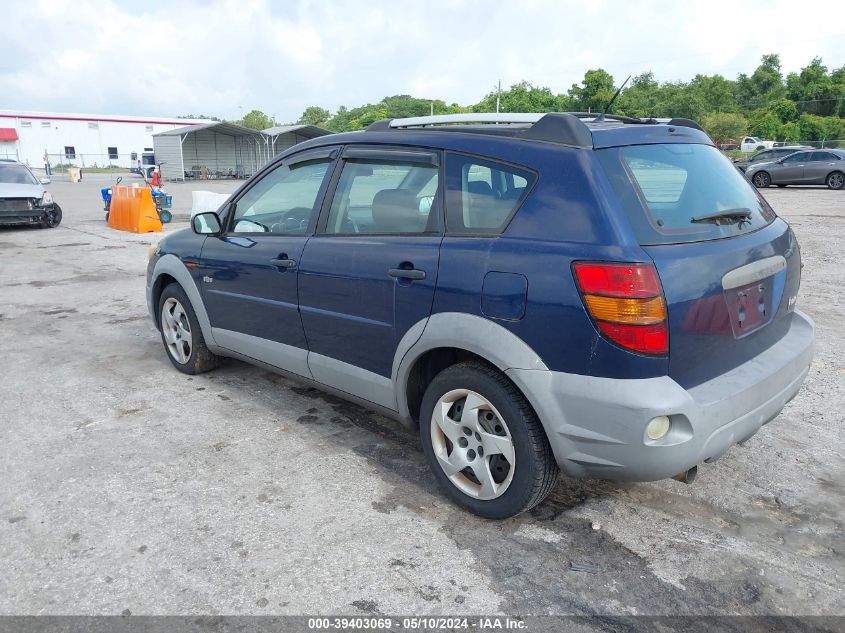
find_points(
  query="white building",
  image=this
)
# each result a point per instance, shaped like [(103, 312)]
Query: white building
[(84, 140)]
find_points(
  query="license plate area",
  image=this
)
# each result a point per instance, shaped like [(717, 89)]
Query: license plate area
[(749, 307)]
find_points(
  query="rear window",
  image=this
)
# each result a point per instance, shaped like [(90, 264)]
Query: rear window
[(664, 188)]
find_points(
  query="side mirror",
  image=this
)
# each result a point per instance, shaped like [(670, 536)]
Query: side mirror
[(44, 181), (206, 224)]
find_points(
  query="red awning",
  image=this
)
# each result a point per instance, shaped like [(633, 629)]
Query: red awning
[(8, 134)]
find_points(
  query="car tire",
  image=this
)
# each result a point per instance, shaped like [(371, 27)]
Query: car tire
[(835, 180), (508, 463), (52, 218), (181, 334), (761, 179)]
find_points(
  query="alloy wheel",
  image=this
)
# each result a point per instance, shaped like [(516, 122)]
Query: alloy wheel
[(176, 330)]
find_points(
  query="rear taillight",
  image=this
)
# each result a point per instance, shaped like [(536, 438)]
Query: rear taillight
[(626, 302)]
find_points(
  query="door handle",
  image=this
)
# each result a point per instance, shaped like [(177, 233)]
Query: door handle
[(283, 263), (406, 273)]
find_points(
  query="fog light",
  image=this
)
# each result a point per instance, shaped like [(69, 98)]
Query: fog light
[(658, 427)]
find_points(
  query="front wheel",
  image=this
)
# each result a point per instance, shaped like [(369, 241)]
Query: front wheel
[(761, 180), (836, 180), (181, 333), (484, 443), (52, 217)]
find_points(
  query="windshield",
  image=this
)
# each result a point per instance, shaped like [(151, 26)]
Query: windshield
[(667, 190), (16, 175)]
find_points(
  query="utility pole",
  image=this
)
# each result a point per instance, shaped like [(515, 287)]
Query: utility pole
[(498, 95), (432, 107)]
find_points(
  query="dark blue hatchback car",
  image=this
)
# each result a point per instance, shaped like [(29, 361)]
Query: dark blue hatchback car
[(608, 297)]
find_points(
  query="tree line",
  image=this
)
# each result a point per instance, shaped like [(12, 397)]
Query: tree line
[(808, 105)]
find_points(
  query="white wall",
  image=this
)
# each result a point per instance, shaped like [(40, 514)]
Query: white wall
[(90, 139)]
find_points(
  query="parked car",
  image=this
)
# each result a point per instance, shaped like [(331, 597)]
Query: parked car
[(816, 167), (23, 198), (768, 155), (726, 144), (752, 144), (611, 298)]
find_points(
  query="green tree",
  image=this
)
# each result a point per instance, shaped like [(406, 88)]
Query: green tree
[(640, 98), (789, 132), (814, 89), (314, 115), (257, 120), (764, 85), (763, 123), (819, 128), (714, 93), (521, 97), (594, 93), (785, 110), (722, 126)]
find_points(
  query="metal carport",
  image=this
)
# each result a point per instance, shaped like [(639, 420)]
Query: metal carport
[(282, 137), (213, 150)]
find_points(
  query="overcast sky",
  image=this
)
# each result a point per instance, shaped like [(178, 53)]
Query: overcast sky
[(209, 57)]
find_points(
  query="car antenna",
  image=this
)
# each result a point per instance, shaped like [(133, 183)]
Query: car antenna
[(600, 118)]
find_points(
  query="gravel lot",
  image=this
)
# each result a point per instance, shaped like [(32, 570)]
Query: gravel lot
[(131, 488)]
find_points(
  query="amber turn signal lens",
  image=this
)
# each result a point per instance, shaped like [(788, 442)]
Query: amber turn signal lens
[(635, 311)]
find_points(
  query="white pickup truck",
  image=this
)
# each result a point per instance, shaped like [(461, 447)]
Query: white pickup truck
[(752, 144)]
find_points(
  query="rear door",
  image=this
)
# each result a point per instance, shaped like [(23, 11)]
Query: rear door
[(819, 166), (730, 284), (249, 273), (369, 273)]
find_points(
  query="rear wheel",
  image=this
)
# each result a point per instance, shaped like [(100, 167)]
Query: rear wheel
[(836, 180), (52, 217), (761, 179), (181, 333), (484, 442)]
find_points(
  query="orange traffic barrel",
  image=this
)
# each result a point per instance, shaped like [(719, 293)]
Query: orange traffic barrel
[(132, 209)]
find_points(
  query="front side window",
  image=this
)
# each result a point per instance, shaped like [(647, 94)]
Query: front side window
[(283, 201), (384, 196), (800, 157), (676, 193), (482, 195)]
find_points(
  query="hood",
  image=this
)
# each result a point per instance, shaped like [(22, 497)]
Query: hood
[(12, 190)]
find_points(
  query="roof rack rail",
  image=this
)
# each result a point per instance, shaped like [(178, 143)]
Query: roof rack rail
[(557, 127), (568, 128)]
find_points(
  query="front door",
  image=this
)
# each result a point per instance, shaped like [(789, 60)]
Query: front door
[(791, 169), (369, 273), (249, 273)]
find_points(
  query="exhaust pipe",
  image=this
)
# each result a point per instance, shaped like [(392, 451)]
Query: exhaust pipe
[(688, 476)]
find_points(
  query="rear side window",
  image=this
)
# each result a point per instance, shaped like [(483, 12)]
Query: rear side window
[(482, 195), (668, 190)]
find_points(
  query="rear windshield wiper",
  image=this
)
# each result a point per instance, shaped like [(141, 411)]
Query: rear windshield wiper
[(739, 215)]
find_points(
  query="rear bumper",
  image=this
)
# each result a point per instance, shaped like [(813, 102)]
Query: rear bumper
[(596, 426)]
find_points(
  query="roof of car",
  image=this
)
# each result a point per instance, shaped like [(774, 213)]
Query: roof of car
[(579, 129)]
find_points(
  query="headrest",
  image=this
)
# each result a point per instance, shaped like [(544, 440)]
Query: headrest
[(396, 210)]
